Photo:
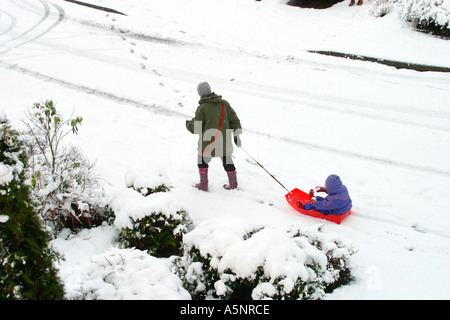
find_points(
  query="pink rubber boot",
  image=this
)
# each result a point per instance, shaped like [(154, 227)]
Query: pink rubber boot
[(203, 185), (232, 180)]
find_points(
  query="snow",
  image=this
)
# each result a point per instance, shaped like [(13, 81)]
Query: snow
[(133, 79), (130, 205), (246, 256), (97, 270), (6, 174), (145, 178), (424, 11)]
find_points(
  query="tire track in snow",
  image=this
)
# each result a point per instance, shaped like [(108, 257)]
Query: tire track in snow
[(165, 111), (310, 99), (402, 223), (330, 104), (162, 110), (321, 101), (34, 26), (355, 155), (39, 34), (12, 20)]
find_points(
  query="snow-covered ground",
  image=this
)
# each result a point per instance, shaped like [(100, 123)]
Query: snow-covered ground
[(133, 78)]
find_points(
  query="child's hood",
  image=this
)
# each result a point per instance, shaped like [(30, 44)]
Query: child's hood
[(333, 184)]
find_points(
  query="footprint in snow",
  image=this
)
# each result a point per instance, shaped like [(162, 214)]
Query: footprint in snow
[(417, 228)]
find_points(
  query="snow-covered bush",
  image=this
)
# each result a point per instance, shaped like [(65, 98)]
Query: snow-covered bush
[(156, 222), (148, 180), (63, 179), (432, 15), (126, 274), (26, 258), (237, 260), (380, 8)]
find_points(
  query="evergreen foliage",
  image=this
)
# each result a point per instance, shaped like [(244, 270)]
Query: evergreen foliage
[(303, 265), (161, 223), (157, 234), (26, 258)]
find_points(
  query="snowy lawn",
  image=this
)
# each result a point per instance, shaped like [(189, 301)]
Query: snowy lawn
[(133, 78)]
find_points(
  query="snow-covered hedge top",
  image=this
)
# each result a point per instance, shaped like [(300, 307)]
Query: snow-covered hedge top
[(146, 178), (428, 10), (130, 205), (280, 251)]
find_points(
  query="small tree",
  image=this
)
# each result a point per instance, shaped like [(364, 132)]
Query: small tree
[(26, 258), (63, 179)]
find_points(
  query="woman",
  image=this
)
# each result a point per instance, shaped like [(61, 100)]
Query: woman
[(215, 122)]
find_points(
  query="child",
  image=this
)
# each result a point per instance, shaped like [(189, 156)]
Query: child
[(337, 201)]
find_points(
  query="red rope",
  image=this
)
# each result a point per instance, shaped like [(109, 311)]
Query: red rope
[(218, 130)]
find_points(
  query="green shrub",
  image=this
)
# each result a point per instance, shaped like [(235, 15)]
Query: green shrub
[(231, 260), (149, 216), (26, 258), (157, 234)]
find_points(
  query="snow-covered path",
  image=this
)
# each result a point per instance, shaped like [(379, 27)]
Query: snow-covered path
[(133, 79)]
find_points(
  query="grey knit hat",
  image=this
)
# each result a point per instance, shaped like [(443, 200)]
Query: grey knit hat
[(204, 89)]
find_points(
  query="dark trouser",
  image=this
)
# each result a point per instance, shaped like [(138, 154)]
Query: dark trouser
[(227, 162)]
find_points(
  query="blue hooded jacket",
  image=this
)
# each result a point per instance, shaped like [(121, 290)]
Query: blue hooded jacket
[(338, 200)]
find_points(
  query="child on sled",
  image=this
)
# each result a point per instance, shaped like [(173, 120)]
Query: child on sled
[(337, 202)]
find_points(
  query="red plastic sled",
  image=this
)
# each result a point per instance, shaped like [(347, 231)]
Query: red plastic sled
[(295, 195)]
